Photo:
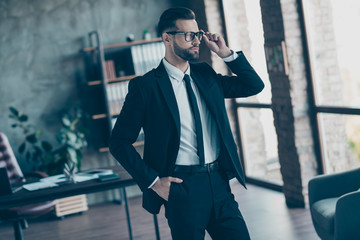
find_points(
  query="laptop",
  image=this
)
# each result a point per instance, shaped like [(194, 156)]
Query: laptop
[(5, 186)]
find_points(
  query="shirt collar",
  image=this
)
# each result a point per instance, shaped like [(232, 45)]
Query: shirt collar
[(174, 72)]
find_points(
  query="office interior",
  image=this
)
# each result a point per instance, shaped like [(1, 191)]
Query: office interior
[(305, 123)]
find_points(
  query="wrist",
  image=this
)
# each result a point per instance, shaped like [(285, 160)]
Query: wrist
[(225, 53), (153, 183)]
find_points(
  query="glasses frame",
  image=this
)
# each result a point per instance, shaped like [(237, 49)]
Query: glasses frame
[(189, 35)]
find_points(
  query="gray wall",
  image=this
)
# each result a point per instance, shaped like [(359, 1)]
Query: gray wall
[(42, 68)]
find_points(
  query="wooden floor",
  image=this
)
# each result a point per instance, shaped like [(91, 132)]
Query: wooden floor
[(264, 210)]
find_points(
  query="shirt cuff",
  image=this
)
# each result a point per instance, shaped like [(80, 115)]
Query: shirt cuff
[(157, 178), (232, 57)]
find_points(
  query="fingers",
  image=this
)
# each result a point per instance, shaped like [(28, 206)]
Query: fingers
[(213, 40), (214, 37), (206, 39), (174, 179), (162, 186)]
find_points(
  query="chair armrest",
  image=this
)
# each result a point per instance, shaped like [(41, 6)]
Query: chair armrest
[(347, 216), (333, 185)]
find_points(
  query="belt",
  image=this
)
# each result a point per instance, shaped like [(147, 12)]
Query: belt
[(209, 167)]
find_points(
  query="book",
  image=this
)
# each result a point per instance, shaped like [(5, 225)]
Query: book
[(110, 69), (147, 56)]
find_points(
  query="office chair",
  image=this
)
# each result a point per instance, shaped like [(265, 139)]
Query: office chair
[(19, 215), (335, 205)]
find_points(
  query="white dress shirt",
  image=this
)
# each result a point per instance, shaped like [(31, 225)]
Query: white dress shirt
[(187, 154)]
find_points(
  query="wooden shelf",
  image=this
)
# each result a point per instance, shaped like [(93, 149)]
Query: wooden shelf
[(93, 83), (99, 116), (104, 149), (119, 79), (104, 62), (125, 44), (103, 115), (136, 144)]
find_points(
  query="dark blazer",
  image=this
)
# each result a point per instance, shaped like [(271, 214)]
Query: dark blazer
[(151, 104)]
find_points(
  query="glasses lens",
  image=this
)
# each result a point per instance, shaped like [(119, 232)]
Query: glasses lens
[(199, 35), (189, 36)]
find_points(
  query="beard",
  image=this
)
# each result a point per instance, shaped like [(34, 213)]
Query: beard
[(185, 54)]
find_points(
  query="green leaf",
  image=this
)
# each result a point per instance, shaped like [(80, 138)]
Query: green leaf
[(28, 156), (46, 146), (32, 138), (22, 148), (66, 121), (38, 155), (23, 118), (14, 111), (60, 138), (38, 133), (35, 156), (38, 150), (49, 158), (14, 125), (71, 137)]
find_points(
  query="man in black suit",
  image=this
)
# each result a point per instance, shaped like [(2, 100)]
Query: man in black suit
[(189, 152)]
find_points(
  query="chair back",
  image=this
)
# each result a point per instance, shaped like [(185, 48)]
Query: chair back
[(8, 160)]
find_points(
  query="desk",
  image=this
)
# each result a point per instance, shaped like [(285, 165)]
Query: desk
[(24, 197)]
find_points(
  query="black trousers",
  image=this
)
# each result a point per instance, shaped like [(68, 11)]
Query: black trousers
[(203, 201)]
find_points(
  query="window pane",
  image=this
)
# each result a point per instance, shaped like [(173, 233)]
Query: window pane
[(259, 144), (334, 49), (248, 35), (340, 140)]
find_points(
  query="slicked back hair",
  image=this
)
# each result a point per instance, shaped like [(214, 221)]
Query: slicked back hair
[(168, 18)]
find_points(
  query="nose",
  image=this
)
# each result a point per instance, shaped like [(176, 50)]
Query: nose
[(196, 40)]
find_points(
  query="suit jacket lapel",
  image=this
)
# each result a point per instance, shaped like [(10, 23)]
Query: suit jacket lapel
[(207, 92), (168, 93)]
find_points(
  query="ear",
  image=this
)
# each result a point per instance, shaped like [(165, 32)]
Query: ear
[(165, 37)]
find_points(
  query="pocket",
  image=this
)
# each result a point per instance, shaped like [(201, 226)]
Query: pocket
[(171, 190)]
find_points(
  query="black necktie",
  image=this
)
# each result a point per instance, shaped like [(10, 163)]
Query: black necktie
[(196, 114)]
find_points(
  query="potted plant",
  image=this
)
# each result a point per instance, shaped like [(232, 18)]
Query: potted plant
[(71, 137)]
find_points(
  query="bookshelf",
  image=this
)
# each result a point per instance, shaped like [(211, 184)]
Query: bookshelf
[(109, 68)]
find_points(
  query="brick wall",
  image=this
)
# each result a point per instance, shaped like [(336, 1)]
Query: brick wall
[(298, 92), (288, 82), (215, 25), (290, 100)]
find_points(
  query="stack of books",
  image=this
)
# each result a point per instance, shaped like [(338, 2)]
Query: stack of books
[(116, 93), (147, 56)]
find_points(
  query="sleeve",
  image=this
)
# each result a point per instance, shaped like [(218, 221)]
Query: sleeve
[(125, 133), (246, 82), (232, 57), (153, 183)]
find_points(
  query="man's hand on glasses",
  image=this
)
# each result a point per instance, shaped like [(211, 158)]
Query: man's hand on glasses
[(216, 43)]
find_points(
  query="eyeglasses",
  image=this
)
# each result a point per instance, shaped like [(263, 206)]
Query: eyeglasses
[(189, 36)]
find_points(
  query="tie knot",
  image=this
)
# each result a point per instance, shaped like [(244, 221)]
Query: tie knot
[(187, 78)]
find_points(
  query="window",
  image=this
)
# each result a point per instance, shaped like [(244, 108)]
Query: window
[(255, 127), (259, 143), (333, 40)]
